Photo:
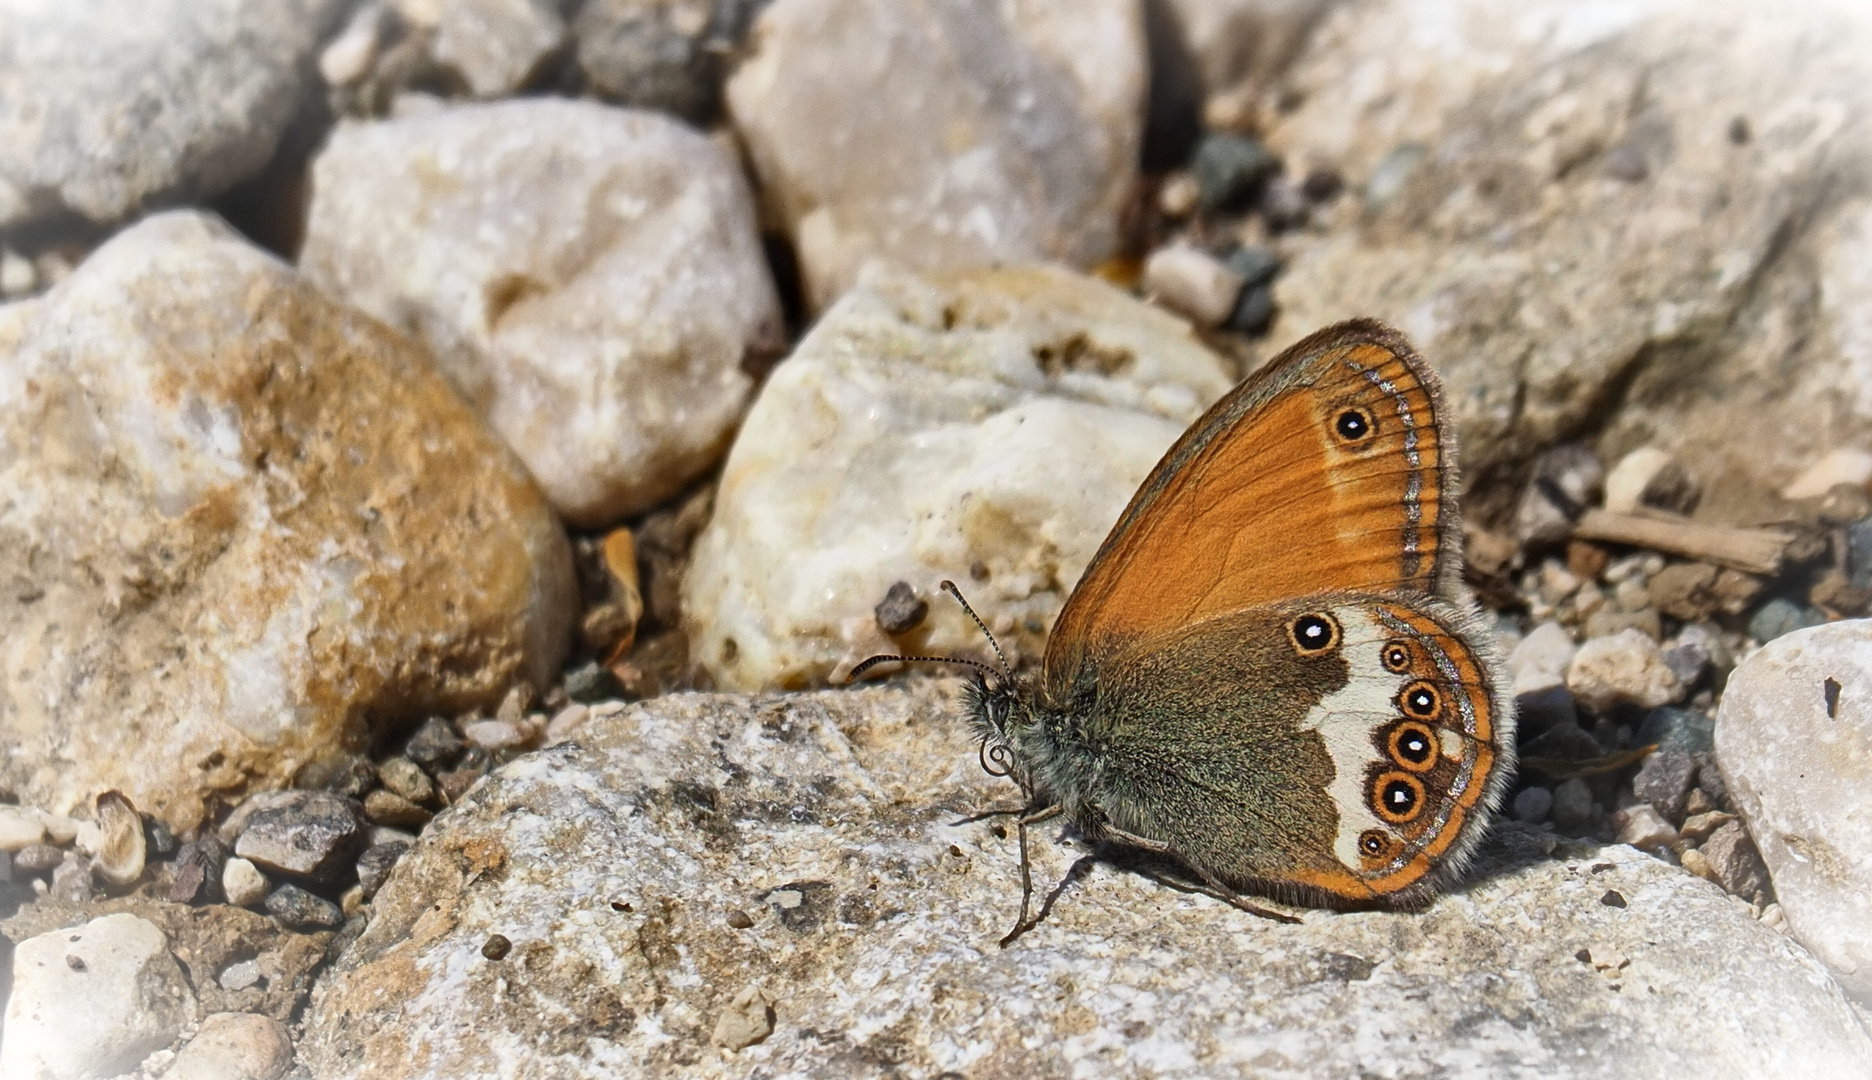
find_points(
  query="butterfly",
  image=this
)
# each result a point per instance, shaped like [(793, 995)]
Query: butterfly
[(1271, 672)]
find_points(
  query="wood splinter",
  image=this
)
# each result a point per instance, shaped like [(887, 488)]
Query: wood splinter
[(1755, 551)]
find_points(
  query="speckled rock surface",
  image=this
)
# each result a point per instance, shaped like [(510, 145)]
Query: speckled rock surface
[(941, 133), (986, 429), (108, 105), (1799, 769), (242, 525), (589, 277), (1490, 150), (615, 866), (494, 46)]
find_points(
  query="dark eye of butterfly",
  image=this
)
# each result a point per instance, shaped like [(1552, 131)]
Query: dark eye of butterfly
[(1399, 796), (1396, 657), (1413, 746), (1420, 699), (1353, 425), (1314, 635)]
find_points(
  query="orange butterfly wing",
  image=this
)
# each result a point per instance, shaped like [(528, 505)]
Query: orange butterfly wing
[(1330, 469)]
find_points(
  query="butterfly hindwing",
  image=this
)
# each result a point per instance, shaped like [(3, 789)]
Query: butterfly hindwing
[(1329, 469), (1341, 748)]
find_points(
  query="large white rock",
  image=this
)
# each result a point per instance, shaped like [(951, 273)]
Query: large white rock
[(240, 526), (696, 855), (589, 277), (92, 1001), (108, 105), (986, 429), (943, 133), (1495, 143), (1799, 771)]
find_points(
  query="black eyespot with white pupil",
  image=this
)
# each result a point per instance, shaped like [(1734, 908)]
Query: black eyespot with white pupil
[(1397, 796), (1396, 657), (1373, 843), (1421, 700), (1314, 634), (1353, 425), (1413, 746)]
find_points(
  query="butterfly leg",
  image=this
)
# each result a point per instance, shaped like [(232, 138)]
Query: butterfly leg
[(1216, 888), (1026, 871)]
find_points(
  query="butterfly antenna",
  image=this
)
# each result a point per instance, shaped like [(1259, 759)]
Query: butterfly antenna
[(873, 661), (950, 588)]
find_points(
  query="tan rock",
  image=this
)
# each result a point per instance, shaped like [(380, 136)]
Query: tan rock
[(589, 277), (235, 1046), (944, 135), (256, 523)]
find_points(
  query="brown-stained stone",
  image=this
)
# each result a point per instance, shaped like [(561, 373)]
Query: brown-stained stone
[(259, 527)]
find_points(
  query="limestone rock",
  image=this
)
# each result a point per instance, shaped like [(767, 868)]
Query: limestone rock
[(590, 279), (1716, 134), (111, 105), (868, 922), (92, 1001), (1798, 772), (987, 429), (253, 523), (942, 133)]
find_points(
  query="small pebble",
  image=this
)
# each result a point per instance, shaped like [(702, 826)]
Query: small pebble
[(1781, 616), (1179, 196), (1643, 827), (352, 901), (1230, 170), (297, 909), (494, 734), (405, 778), (740, 920), (901, 610), (18, 276), (37, 858), (60, 830), (1322, 183), (592, 681), (242, 883), (1255, 265), (374, 866), (565, 722), (747, 1020), (435, 744), (71, 880), (20, 827), (1392, 173), (1193, 282), (1254, 311), (237, 977), (308, 834), (1572, 805), (1533, 805), (1613, 898), (385, 807), (1624, 668), (1845, 466), (496, 947), (1698, 827)]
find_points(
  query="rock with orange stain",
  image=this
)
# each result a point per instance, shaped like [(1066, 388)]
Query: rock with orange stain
[(244, 528)]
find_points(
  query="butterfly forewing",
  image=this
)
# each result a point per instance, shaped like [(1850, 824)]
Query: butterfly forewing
[(1326, 470)]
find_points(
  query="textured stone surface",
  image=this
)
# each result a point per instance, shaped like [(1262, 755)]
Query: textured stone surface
[(987, 429), (242, 525), (109, 105), (589, 277), (1716, 134), (1251, 42), (92, 1001), (942, 133), (1799, 777), (869, 921)]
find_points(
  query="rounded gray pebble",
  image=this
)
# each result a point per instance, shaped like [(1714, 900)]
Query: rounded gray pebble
[(1533, 805)]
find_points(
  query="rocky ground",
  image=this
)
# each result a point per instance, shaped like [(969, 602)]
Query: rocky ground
[(453, 451)]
